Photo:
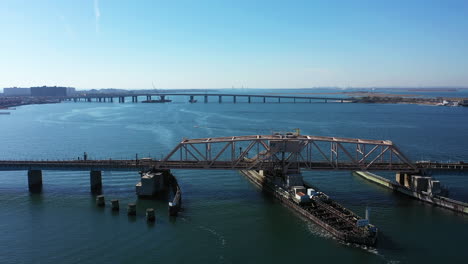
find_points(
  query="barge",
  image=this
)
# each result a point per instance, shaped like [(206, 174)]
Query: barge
[(157, 101), (318, 208), (422, 188)]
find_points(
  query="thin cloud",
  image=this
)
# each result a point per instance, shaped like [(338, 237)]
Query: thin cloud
[(97, 14)]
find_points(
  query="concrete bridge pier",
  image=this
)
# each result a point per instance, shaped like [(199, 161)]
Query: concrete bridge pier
[(152, 183), (249, 99), (35, 180), (220, 100), (89, 99), (206, 99), (326, 100), (234, 98), (95, 179), (264, 99), (111, 99), (294, 99), (148, 97), (279, 99)]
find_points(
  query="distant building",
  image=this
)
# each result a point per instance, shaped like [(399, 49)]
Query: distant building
[(70, 91), (51, 91), (14, 91)]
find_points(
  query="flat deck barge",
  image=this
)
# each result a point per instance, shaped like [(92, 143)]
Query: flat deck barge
[(321, 210), (409, 188)]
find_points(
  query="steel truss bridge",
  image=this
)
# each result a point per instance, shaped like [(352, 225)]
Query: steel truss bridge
[(288, 152)]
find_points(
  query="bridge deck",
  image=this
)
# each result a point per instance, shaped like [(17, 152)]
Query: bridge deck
[(132, 165)]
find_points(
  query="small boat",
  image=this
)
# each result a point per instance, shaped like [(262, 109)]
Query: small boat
[(157, 101)]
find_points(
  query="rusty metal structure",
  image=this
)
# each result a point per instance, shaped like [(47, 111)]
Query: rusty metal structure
[(289, 151)]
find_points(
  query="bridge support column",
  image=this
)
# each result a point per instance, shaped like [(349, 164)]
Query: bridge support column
[(326, 100), (264, 99), (95, 179), (206, 99), (279, 99), (249, 99), (148, 97), (35, 180), (111, 99), (89, 99), (220, 100), (234, 98), (294, 99), (100, 99)]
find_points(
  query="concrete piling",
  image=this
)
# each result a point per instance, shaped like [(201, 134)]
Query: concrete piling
[(115, 205), (95, 178), (131, 209), (35, 180), (100, 201), (150, 215)]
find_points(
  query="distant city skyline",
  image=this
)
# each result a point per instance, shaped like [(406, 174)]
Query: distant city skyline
[(220, 44)]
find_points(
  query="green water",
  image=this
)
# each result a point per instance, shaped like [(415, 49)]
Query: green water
[(225, 218)]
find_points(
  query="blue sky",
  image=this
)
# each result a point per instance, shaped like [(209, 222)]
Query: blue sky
[(216, 44)]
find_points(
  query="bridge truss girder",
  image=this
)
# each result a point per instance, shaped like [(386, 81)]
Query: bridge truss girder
[(289, 153)]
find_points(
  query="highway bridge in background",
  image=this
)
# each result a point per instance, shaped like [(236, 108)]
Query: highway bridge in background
[(193, 97)]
